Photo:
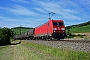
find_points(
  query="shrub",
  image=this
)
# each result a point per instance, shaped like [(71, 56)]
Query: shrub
[(5, 34), (70, 35)]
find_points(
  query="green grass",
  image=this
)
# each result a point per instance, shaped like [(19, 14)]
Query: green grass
[(63, 54), (3, 52), (80, 29), (21, 52), (32, 51)]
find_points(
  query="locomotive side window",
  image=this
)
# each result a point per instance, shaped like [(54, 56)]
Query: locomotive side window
[(58, 23)]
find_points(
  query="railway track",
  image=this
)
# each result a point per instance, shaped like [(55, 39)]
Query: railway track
[(76, 45), (67, 40)]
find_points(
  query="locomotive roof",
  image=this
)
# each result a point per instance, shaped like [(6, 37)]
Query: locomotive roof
[(52, 21), (56, 20)]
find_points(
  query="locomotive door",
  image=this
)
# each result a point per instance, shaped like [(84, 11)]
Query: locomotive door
[(48, 29)]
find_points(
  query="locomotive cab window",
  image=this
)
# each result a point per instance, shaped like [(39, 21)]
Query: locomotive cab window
[(58, 23), (61, 24)]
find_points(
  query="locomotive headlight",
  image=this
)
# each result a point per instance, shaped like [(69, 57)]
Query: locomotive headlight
[(62, 28), (54, 28), (54, 31)]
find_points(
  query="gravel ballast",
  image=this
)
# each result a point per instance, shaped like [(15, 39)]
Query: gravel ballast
[(76, 46)]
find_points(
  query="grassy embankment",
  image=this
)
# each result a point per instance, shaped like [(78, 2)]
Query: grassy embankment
[(32, 51), (83, 29), (80, 32), (79, 28)]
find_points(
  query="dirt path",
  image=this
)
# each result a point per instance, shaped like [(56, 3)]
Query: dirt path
[(20, 52), (15, 52)]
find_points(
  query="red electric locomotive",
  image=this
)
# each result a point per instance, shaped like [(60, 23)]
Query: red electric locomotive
[(53, 29)]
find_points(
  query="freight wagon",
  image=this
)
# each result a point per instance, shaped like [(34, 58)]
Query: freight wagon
[(28, 35)]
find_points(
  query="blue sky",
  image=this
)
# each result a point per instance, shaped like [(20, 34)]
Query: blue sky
[(32, 13)]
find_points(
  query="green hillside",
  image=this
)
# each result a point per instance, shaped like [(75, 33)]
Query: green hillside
[(79, 28), (23, 30)]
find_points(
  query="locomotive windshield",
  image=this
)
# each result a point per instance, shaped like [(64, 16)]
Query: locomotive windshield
[(58, 23)]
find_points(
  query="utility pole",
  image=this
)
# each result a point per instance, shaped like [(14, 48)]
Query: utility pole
[(20, 29), (20, 34), (50, 15)]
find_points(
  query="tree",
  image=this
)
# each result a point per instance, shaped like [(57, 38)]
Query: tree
[(5, 34)]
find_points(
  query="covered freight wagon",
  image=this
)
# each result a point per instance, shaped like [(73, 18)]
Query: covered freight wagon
[(26, 36)]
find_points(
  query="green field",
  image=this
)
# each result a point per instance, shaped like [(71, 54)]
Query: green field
[(32, 51), (79, 28), (82, 29)]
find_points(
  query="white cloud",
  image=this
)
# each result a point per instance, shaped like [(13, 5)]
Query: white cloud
[(71, 17), (11, 19), (40, 10), (35, 12), (20, 10), (13, 22), (85, 3), (2, 18), (24, 1), (59, 9), (3, 8)]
